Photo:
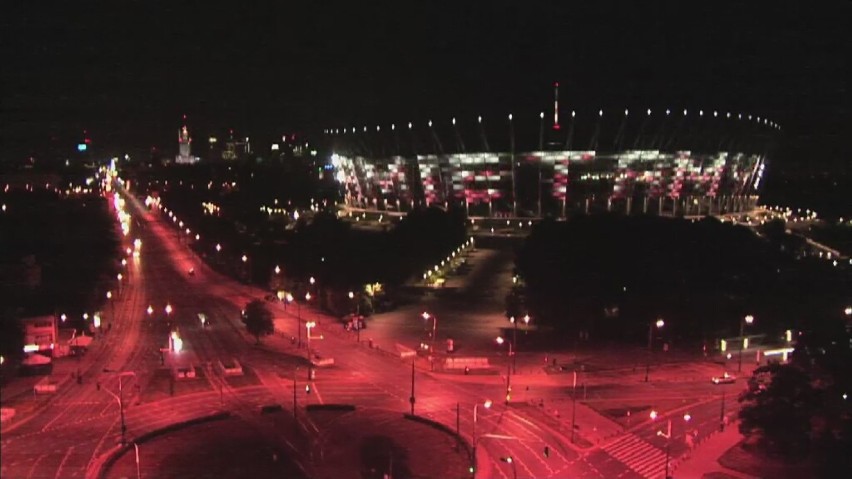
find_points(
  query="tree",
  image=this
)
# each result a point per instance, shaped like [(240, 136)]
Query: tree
[(780, 414), (11, 335), (258, 320)]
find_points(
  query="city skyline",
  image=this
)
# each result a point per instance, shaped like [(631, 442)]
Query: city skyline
[(270, 71)]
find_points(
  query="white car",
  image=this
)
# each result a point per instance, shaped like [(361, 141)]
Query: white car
[(724, 379)]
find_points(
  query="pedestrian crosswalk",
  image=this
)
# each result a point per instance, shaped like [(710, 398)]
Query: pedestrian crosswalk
[(637, 454), (352, 387)]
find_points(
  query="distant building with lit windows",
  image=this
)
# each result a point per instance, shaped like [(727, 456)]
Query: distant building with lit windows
[(184, 156)]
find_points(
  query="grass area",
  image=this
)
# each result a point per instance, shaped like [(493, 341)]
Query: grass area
[(751, 461), (162, 385)]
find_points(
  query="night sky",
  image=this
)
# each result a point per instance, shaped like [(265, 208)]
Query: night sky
[(127, 70)]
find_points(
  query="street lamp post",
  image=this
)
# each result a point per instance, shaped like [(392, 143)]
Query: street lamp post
[(515, 340), (573, 406), (743, 341), (500, 340), (668, 436), (308, 326), (357, 315), (411, 398), (289, 299), (487, 405), (111, 303), (659, 323), (120, 399), (299, 316), (434, 319)]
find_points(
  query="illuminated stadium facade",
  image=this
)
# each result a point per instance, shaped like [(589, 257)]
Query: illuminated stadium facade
[(676, 164)]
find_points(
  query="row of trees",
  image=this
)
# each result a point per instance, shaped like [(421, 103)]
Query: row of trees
[(319, 243), (60, 254), (611, 275)]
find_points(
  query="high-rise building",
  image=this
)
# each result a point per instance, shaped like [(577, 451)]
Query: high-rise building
[(184, 156)]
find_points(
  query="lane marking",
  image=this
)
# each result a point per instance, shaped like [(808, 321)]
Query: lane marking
[(62, 464)]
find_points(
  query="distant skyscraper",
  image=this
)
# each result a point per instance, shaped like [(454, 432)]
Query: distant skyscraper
[(184, 142)]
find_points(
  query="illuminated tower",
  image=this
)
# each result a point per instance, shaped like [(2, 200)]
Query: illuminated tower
[(184, 143), (556, 105)]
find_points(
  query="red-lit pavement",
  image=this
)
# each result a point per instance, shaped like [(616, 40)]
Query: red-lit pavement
[(360, 375), (63, 435), (69, 437), (366, 377)]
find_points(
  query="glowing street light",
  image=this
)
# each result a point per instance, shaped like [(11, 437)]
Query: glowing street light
[(509, 357), (659, 323), (426, 317), (749, 319), (177, 342), (168, 309), (218, 247), (150, 310), (509, 460), (277, 269)]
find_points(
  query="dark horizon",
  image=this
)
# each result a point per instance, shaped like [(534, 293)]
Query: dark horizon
[(127, 73)]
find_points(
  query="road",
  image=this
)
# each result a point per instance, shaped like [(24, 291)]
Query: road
[(82, 421)]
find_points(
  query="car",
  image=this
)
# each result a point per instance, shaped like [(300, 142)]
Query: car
[(724, 379)]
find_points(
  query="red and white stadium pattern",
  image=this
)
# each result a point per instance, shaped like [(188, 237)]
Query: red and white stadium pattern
[(517, 166), (560, 177)]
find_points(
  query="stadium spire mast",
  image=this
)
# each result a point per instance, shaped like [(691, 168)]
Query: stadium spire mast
[(556, 105)]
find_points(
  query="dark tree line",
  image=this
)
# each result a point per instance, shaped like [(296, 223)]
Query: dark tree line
[(612, 275), (59, 253)]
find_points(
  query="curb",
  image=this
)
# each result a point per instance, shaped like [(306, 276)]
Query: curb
[(103, 463), (446, 429)]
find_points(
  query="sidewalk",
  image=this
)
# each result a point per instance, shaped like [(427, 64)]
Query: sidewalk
[(705, 458)]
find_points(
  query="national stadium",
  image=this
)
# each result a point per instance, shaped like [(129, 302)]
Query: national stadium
[(668, 162)]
